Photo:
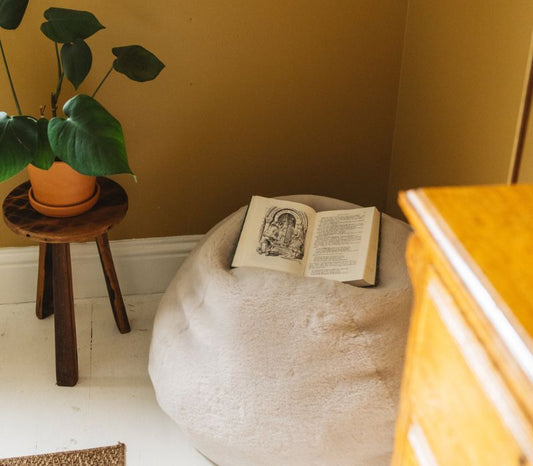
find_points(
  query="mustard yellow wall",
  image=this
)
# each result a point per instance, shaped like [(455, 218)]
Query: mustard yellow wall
[(257, 98), (460, 94)]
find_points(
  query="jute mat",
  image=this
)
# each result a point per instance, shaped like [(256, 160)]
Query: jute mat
[(103, 456)]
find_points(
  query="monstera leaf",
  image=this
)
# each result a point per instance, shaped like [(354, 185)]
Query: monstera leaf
[(66, 25), (12, 12), (44, 156), (90, 140), (136, 63), (77, 60), (18, 140)]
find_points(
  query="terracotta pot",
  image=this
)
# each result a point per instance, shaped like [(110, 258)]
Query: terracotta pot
[(61, 191)]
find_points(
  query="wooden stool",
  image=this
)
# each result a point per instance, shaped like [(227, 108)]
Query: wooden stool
[(54, 283)]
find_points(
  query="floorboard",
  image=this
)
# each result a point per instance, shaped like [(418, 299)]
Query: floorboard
[(113, 401)]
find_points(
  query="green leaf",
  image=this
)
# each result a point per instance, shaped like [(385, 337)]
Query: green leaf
[(90, 140), (136, 63), (18, 138), (66, 25), (77, 60), (44, 156), (12, 12)]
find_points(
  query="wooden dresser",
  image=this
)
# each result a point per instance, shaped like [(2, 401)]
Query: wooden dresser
[(467, 390)]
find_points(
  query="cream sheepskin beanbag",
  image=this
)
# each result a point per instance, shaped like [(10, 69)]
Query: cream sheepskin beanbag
[(262, 368)]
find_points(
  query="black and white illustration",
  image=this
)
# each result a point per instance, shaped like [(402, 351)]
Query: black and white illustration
[(283, 233)]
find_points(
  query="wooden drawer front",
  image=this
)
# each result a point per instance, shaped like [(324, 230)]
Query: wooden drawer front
[(418, 451), (409, 456), (457, 397)]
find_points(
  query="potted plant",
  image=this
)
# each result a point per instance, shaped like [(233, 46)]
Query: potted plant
[(89, 142)]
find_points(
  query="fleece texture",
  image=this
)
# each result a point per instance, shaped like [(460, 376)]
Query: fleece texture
[(262, 368)]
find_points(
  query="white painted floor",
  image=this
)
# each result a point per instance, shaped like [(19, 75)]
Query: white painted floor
[(113, 401)]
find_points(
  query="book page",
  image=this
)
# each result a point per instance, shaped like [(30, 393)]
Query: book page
[(344, 245), (276, 234)]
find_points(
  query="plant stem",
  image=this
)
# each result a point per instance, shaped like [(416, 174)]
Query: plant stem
[(102, 81), (10, 80), (59, 70), (55, 96)]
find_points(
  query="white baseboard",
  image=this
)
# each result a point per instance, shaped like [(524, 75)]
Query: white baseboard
[(143, 266)]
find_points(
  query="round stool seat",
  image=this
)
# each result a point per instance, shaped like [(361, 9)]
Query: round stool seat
[(260, 367), (24, 220)]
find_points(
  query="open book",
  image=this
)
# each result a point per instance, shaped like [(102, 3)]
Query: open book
[(292, 237)]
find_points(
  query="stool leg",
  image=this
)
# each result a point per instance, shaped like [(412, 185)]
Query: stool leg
[(44, 303), (64, 322), (113, 288)]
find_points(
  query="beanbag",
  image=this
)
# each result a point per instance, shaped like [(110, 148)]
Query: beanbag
[(260, 367)]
